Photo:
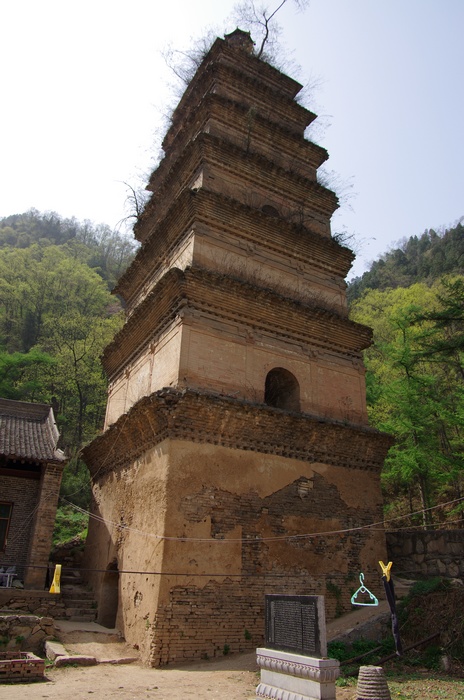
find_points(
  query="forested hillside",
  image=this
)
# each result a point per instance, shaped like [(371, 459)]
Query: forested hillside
[(105, 251), (56, 316), (413, 298), (422, 258)]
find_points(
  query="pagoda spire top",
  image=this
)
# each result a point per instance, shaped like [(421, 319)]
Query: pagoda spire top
[(240, 40)]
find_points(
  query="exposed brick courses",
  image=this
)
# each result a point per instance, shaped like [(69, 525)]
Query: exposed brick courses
[(224, 421)]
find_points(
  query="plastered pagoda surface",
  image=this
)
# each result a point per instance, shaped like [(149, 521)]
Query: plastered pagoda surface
[(236, 420)]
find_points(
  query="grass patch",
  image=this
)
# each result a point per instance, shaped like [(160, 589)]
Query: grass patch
[(69, 524), (372, 650), (424, 687)]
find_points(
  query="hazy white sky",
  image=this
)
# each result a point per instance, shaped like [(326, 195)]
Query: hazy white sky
[(84, 90)]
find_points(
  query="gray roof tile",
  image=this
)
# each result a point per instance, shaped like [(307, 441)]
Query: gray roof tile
[(28, 431)]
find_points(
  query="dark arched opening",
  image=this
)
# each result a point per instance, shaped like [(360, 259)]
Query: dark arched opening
[(109, 596), (282, 390), (270, 210)]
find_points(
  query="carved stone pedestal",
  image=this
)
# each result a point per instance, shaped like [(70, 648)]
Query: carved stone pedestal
[(288, 676)]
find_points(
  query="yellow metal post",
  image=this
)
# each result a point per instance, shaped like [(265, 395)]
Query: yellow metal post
[(55, 587)]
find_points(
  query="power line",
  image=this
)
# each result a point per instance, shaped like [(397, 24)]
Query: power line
[(249, 540)]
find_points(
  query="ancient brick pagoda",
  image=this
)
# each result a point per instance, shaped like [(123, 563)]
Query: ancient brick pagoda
[(236, 415)]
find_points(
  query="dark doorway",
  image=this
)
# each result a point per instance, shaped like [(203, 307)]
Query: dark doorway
[(109, 596)]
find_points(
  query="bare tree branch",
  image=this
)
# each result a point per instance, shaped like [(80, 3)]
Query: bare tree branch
[(259, 21), (265, 24)]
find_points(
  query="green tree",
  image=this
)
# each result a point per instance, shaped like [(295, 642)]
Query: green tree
[(54, 306), (39, 284), (444, 341), (441, 346), (78, 380), (21, 375), (56, 317), (416, 399)]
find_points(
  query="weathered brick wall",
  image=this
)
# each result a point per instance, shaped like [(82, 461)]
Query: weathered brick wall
[(234, 227), (209, 617), (243, 513), (238, 511), (427, 553), (44, 520), (238, 364), (217, 352), (23, 493), (228, 617), (160, 357)]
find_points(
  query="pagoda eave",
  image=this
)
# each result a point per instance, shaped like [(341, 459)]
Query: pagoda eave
[(204, 417), (234, 301), (225, 216)]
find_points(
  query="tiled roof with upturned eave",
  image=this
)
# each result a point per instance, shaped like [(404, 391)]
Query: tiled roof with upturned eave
[(28, 431)]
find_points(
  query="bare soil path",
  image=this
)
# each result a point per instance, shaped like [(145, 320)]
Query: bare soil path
[(233, 678)]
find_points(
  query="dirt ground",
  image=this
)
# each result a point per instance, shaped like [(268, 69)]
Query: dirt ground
[(233, 678), (230, 677)]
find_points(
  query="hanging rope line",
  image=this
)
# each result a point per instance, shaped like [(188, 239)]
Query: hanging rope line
[(282, 538)]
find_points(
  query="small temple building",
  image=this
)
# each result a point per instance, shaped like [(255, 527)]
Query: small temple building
[(31, 468), (236, 458)]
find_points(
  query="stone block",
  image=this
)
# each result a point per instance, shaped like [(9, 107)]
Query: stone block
[(29, 620), (436, 545), (456, 548), (23, 631), (77, 660), (54, 649), (35, 641), (123, 660), (442, 568), (407, 548)]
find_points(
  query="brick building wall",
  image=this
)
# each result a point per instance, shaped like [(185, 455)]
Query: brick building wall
[(44, 519), (24, 494)]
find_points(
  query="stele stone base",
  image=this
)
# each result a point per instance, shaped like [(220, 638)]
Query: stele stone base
[(289, 676)]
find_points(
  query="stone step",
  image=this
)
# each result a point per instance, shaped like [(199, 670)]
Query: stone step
[(71, 578), (81, 614), (80, 604), (76, 594), (76, 591), (83, 603), (92, 640), (74, 584)]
